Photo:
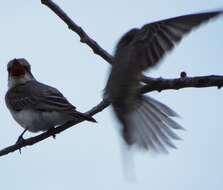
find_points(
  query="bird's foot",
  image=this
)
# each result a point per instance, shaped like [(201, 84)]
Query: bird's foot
[(20, 140), (52, 130)]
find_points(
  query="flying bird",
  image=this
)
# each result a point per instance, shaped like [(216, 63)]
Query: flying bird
[(147, 123), (34, 105)]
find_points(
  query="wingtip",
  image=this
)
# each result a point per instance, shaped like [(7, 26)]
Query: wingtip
[(93, 120), (85, 116), (90, 118), (218, 11)]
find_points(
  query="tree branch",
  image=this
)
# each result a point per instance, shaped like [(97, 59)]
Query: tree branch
[(84, 38), (152, 84), (159, 84)]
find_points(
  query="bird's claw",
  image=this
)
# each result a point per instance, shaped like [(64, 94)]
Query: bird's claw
[(20, 140), (52, 130)]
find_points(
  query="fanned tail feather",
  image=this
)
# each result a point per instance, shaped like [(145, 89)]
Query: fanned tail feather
[(150, 126)]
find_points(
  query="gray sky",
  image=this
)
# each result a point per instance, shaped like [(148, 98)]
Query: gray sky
[(88, 156)]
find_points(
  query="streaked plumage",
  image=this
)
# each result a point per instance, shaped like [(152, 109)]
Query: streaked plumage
[(146, 122)]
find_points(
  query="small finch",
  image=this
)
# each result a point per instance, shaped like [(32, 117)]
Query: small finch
[(34, 105)]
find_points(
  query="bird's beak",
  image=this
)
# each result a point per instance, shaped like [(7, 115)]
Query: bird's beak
[(17, 70)]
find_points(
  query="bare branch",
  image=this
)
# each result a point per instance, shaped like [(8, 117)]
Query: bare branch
[(84, 38), (152, 84), (159, 84)]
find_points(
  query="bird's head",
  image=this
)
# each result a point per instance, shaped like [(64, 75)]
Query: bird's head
[(19, 72)]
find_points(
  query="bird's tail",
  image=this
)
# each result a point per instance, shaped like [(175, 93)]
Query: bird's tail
[(150, 126)]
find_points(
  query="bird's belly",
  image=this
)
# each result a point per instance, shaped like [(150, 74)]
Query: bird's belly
[(36, 121)]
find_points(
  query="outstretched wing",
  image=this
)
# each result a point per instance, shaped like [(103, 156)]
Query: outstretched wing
[(143, 48), (149, 44), (146, 123), (37, 96)]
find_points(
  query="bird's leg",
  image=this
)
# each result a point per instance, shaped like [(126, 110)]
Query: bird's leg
[(21, 139)]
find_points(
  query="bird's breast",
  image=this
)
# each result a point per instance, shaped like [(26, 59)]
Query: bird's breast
[(36, 121)]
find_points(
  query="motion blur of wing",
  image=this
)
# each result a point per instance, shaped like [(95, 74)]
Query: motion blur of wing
[(146, 122)]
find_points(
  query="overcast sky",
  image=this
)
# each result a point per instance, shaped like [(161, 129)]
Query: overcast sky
[(89, 156)]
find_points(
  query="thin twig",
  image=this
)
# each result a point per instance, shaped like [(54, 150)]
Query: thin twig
[(159, 84), (84, 38)]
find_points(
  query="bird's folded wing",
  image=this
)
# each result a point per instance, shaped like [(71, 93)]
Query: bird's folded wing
[(37, 96)]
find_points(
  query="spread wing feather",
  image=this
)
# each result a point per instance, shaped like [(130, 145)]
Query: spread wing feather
[(146, 122)]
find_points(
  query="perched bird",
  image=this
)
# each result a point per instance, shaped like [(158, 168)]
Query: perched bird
[(34, 105), (146, 122)]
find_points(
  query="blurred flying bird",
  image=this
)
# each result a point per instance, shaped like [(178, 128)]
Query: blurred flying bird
[(34, 105), (146, 122)]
